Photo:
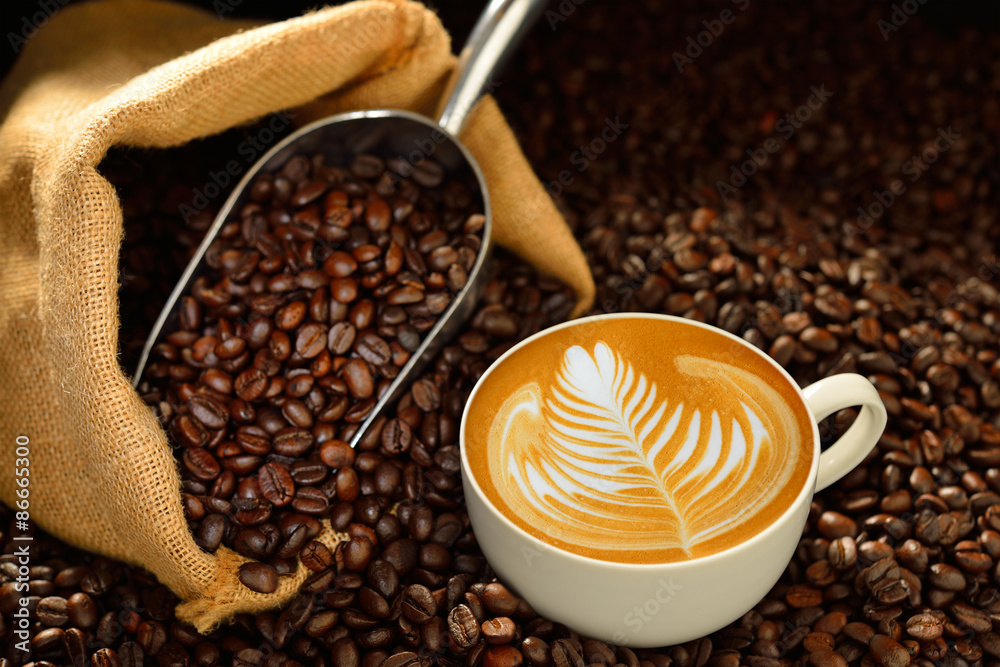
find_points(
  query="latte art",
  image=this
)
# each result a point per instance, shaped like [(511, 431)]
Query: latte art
[(616, 458)]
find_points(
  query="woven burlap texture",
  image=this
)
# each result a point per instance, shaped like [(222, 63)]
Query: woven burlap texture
[(154, 74)]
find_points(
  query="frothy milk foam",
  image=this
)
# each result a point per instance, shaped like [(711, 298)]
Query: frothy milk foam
[(637, 441)]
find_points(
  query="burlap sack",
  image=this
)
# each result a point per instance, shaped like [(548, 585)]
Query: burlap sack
[(157, 75)]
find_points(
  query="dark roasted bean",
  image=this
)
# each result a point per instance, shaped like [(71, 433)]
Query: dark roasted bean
[(52, 611), (259, 577), (463, 627), (946, 577), (888, 652), (276, 484), (536, 650), (498, 630)]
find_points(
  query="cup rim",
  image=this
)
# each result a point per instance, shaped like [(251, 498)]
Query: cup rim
[(805, 493)]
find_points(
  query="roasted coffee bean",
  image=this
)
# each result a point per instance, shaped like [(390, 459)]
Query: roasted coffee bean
[(173, 655), (130, 654), (201, 464), (842, 552), (152, 637), (373, 349), (211, 531), (251, 542), (276, 484), (358, 378), (833, 525), (82, 611), (419, 604), (347, 484), (426, 395), (421, 523), (316, 556), (567, 653), (293, 442), (105, 657), (252, 511), (340, 338), (498, 600), (500, 630), (337, 454), (888, 652), (205, 654), (259, 577), (52, 611), (924, 627), (310, 500), (308, 473), (383, 578), (402, 659), (502, 656), (367, 166), (396, 437), (463, 627), (208, 411), (289, 317), (250, 384), (373, 604), (826, 658), (946, 577), (71, 576), (191, 432), (47, 642), (311, 340), (536, 651), (357, 553)]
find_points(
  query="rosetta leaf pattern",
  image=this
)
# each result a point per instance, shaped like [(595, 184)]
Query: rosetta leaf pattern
[(606, 454)]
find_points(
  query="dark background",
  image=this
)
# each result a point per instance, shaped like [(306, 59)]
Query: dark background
[(459, 15)]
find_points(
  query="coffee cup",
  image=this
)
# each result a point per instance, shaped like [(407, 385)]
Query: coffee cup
[(645, 479)]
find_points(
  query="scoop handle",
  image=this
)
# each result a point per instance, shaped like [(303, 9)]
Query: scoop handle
[(499, 29)]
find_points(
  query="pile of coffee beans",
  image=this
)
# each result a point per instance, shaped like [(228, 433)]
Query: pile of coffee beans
[(899, 561), (168, 202), (315, 298), (409, 581), (867, 242)]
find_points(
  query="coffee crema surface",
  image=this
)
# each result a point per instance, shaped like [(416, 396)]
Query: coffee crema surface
[(638, 440)]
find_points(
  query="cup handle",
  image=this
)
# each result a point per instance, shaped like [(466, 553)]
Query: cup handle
[(836, 393)]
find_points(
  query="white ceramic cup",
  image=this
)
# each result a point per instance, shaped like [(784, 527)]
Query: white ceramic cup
[(644, 605)]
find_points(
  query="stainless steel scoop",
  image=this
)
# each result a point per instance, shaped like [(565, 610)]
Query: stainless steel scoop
[(393, 133)]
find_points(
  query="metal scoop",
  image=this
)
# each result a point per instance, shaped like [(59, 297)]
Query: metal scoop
[(393, 133)]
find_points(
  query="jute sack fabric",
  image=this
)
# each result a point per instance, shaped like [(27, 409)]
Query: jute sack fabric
[(152, 74)]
